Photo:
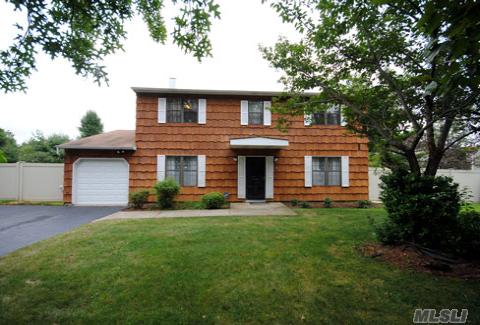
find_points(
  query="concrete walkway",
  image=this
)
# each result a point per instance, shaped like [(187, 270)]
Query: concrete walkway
[(236, 209)]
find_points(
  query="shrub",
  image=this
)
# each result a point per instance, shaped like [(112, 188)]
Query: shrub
[(364, 204), (213, 200), (166, 192), (305, 205), (466, 241), (421, 209), (138, 199), (327, 203), (294, 202)]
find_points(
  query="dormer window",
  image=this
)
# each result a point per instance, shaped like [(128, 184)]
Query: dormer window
[(182, 110)]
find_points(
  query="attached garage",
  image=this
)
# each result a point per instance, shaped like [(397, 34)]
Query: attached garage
[(97, 169), (100, 181)]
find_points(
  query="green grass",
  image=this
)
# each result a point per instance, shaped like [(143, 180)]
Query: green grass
[(221, 270), (15, 202)]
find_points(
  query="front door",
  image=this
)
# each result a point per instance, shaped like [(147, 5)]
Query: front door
[(255, 178)]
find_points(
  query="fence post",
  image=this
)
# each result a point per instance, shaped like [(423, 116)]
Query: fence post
[(20, 181)]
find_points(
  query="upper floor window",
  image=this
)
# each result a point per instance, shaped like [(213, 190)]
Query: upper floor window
[(183, 169), (182, 110), (326, 171), (330, 116), (255, 112)]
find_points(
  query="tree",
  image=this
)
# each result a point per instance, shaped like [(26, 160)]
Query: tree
[(85, 32), (41, 149), (3, 159), (8, 146), (90, 124), (403, 71)]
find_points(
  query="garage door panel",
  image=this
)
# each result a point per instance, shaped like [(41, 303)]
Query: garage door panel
[(101, 182)]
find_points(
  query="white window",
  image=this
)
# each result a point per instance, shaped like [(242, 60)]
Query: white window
[(255, 112), (183, 169)]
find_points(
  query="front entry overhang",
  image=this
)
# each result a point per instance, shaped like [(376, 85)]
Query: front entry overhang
[(258, 143)]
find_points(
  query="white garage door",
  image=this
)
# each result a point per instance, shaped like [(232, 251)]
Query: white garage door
[(100, 182)]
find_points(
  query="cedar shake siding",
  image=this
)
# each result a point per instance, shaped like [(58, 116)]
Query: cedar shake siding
[(213, 140)]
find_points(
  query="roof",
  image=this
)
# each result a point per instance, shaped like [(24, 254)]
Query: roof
[(114, 140), (146, 90)]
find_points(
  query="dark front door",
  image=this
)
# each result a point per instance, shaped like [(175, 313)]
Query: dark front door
[(255, 170)]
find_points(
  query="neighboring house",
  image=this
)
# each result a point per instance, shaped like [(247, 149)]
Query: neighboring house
[(225, 141)]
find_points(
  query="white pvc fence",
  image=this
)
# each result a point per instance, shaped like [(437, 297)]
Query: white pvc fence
[(31, 182), (467, 179), (44, 182)]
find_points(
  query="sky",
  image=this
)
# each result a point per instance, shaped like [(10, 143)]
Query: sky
[(56, 98)]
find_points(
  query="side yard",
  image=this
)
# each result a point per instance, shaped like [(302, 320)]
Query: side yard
[(221, 270)]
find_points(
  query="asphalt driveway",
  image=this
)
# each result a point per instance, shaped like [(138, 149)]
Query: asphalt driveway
[(23, 225)]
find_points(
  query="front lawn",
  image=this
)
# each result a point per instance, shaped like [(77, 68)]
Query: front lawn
[(221, 270)]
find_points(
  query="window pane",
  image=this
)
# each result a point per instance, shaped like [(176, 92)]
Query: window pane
[(318, 118), (333, 164), (333, 178), (318, 178), (318, 163), (174, 110), (190, 110), (189, 178), (190, 163), (333, 115), (255, 112)]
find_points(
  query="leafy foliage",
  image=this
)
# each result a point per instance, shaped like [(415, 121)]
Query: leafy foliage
[(138, 199), (166, 192), (3, 158), (41, 149), (364, 204), (327, 203), (305, 205), (466, 240), (8, 146), (403, 71), (213, 200), (90, 124), (294, 202), (85, 32), (421, 209)]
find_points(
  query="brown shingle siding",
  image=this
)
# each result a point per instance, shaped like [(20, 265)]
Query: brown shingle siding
[(212, 140)]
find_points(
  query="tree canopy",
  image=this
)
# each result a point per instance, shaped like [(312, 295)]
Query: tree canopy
[(90, 124), (42, 149), (8, 146), (85, 32), (402, 71)]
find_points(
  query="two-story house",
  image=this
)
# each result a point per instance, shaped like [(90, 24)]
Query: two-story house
[(217, 140)]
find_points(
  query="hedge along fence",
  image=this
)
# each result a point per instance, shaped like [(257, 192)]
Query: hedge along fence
[(467, 179), (31, 182)]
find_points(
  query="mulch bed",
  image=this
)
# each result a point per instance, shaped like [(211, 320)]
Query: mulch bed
[(407, 257)]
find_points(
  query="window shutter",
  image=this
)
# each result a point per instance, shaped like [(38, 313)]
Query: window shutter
[(267, 114), (244, 112), (202, 111), (343, 120), (162, 110), (307, 119), (202, 160), (345, 172), (269, 171), (241, 178), (160, 167), (308, 171)]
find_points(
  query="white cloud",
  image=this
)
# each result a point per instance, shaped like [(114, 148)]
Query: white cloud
[(57, 98)]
